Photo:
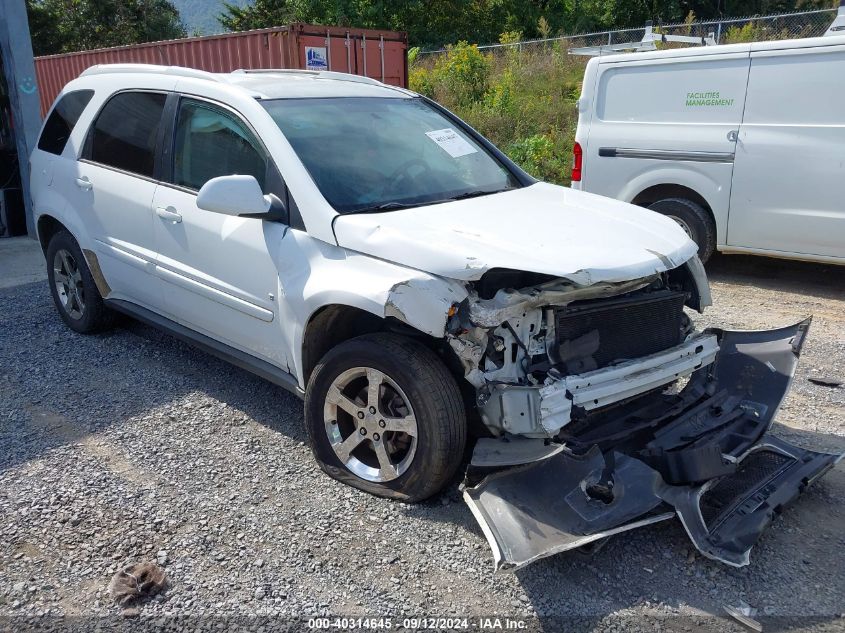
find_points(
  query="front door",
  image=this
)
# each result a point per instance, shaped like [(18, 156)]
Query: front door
[(219, 273), (787, 185)]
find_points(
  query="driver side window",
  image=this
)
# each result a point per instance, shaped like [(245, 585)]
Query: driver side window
[(211, 142)]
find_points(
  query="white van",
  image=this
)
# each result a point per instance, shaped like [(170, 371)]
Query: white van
[(743, 144)]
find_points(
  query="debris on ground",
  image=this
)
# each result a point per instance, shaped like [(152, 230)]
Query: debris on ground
[(825, 381), (136, 581), (744, 613)]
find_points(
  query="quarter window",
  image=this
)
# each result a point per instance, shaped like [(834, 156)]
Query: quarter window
[(124, 134), (210, 142), (62, 120)]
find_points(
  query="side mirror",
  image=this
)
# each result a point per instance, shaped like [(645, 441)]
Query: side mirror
[(239, 196)]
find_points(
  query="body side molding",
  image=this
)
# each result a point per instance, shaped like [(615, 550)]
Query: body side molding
[(225, 352)]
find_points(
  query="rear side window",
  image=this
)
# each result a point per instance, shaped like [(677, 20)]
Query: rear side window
[(124, 134), (62, 120)]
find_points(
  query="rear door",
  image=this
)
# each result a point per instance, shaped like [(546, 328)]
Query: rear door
[(111, 188), (787, 192)]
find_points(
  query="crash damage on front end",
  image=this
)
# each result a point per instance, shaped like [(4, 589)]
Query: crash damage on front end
[(602, 409), (593, 431)]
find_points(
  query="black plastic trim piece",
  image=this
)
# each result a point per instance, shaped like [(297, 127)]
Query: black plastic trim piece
[(207, 344), (666, 154)]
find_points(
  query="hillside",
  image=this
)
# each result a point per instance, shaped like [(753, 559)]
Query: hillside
[(199, 16)]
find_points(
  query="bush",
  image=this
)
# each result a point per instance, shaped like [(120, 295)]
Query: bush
[(463, 70), (749, 32), (421, 79), (541, 156), (523, 100)]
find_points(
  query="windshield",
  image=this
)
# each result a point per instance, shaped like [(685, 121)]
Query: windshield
[(372, 154)]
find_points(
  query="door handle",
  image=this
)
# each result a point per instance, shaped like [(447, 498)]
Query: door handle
[(733, 136), (84, 184), (169, 213)]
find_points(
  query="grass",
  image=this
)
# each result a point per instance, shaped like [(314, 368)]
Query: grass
[(522, 100)]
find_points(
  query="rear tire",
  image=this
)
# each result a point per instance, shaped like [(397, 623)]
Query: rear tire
[(73, 289), (403, 438), (694, 219)]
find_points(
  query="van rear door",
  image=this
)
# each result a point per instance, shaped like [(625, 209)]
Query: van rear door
[(667, 119), (787, 193)]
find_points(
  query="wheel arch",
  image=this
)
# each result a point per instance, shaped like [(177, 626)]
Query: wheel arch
[(332, 324), (705, 189), (663, 191), (46, 227)]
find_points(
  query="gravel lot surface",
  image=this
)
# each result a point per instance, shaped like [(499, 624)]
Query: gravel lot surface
[(132, 446)]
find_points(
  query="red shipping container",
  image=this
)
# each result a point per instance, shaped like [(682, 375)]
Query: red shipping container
[(382, 55)]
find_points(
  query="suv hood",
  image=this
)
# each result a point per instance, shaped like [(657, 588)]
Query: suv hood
[(541, 228)]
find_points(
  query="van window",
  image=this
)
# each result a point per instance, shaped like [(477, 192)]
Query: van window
[(680, 91), (211, 142), (805, 89), (62, 120), (124, 134)]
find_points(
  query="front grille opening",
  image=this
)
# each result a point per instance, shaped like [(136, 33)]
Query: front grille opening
[(595, 334), (753, 472)]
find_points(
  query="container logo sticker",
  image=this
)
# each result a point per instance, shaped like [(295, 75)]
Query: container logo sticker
[(711, 98), (453, 143), (316, 58)]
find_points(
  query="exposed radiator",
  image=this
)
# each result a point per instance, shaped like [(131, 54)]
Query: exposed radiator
[(595, 334)]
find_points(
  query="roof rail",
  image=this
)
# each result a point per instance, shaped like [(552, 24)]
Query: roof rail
[(179, 71), (321, 74)]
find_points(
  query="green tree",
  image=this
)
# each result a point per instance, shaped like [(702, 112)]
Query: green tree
[(60, 26), (435, 23)]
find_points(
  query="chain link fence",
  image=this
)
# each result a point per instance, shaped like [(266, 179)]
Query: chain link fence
[(724, 31)]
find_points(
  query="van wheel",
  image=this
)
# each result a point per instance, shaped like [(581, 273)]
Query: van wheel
[(74, 292), (694, 219), (385, 416)]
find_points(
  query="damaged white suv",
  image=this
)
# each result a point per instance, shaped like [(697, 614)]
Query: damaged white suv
[(362, 247)]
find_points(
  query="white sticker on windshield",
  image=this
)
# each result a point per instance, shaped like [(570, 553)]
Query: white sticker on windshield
[(452, 142)]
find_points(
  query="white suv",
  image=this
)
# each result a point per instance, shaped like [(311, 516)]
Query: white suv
[(361, 246)]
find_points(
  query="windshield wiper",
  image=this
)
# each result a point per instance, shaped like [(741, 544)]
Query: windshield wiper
[(387, 206), (476, 194), (393, 206)]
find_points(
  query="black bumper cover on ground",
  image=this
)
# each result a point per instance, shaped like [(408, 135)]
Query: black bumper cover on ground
[(703, 454)]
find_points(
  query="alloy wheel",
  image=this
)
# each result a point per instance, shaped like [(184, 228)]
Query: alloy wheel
[(370, 424), (68, 280)]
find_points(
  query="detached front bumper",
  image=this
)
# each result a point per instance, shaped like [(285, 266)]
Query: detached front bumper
[(703, 455)]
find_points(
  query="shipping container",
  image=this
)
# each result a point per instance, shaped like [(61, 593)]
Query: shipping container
[(382, 55)]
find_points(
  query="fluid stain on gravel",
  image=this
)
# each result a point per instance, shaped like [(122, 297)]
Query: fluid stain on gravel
[(132, 446)]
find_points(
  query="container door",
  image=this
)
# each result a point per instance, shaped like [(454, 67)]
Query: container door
[(787, 187), (336, 53), (381, 59), (667, 121)]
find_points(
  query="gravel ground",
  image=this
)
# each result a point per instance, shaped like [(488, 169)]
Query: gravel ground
[(132, 446)]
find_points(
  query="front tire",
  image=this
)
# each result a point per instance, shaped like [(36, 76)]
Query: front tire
[(385, 416), (694, 219), (73, 289)]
